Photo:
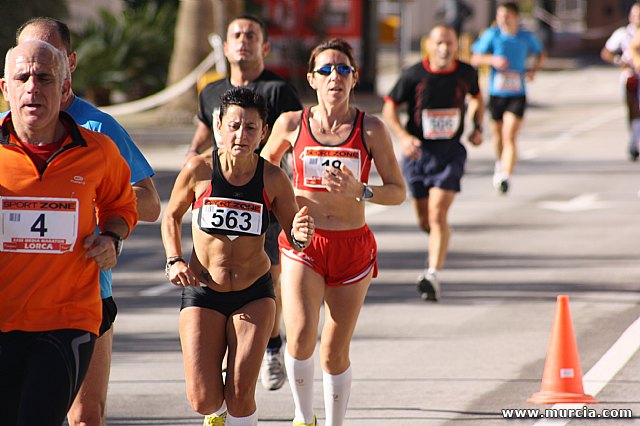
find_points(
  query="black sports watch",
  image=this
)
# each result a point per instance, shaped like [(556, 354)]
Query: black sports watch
[(117, 240), (367, 193)]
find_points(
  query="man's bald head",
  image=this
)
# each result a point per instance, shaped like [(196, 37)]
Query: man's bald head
[(47, 29), (29, 50)]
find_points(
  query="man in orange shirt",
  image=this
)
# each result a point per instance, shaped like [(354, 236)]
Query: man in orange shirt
[(56, 178)]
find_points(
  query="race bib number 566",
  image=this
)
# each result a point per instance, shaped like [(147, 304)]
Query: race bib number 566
[(38, 225), (440, 123)]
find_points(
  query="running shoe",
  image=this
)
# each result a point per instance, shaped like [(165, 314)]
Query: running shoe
[(429, 287), (214, 420), (633, 154), (299, 423), (503, 187), (272, 372)]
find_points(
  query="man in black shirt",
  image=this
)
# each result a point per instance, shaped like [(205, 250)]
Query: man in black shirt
[(436, 90), (245, 48)]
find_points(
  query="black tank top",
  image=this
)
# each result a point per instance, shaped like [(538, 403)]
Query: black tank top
[(226, 209)]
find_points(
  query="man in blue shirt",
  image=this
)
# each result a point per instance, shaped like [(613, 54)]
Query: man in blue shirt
[(89, 406), (506, 47)]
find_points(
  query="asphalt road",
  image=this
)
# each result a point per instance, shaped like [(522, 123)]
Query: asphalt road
[(570, 225)]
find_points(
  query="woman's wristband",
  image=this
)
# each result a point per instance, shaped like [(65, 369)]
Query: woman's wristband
[(170, 262), (299, 245)]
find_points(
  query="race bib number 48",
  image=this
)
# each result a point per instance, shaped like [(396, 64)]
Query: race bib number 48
[(317, 159), (38, 225), (230, 215), (440, 123)]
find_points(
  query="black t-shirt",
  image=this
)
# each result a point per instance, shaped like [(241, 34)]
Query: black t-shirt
[(436, 101), (280, 95)]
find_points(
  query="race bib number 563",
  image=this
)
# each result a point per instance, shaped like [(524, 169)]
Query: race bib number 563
[(230, 215), (38, 225)]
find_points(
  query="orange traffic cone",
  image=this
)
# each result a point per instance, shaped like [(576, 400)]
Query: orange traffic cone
[(562, 378)]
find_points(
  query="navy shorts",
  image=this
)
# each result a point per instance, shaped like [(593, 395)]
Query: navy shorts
[(498, 105), (227, 302), (442, 169)]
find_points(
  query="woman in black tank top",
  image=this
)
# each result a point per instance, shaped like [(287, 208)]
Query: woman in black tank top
[(228, 300)]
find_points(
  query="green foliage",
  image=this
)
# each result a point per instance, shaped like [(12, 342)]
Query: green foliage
[(14, 13), (128, 53)]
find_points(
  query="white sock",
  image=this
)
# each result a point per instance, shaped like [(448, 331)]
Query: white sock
[(432, 271), (497, 168), (336, 396), (220, 410), (251, 420), (635, 129), (300, 374)]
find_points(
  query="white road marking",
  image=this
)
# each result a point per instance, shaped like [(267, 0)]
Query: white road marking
[(579, 203), (571, 133)]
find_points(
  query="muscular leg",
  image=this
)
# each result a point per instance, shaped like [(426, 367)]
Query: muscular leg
[(302, 294), (510, 127), (496, 137), (421, 206), (88, 408), (248, 331), (439, 202), (342, 308), (204, 342)]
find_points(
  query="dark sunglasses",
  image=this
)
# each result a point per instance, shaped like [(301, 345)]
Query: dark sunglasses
[(343, 69)]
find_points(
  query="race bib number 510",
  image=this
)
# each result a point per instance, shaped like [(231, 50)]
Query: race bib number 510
[(38, 225)]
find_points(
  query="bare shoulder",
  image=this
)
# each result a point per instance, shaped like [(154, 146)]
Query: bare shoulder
[(289, 121), (374, 129), (199, 167), (273, 174)]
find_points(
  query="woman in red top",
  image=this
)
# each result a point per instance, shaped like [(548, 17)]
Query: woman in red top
[(333, 145)]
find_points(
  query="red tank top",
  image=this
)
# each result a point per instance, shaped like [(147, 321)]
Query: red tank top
[(311, 157)]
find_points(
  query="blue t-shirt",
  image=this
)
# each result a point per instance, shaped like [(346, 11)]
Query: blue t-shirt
[(516, 48), (90, 117)]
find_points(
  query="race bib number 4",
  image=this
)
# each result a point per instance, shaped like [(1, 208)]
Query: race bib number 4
[(38, 225), (230, 215), (440, 123), (317, 159), (507, 81)]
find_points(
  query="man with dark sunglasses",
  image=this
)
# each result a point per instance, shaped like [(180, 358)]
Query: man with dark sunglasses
[(246, 47), (436, 91)]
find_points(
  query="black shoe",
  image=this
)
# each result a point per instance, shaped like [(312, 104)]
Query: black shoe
[(429, 287), (633, 155), (503, 187)]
